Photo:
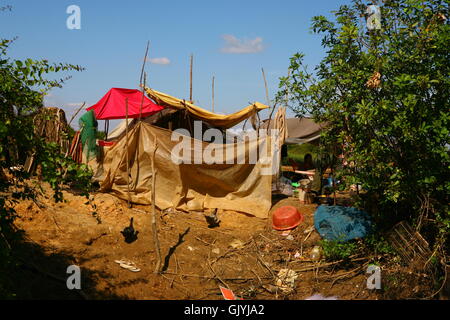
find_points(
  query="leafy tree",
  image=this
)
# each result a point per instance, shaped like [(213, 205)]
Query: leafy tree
[(384, 95), (23, 85)]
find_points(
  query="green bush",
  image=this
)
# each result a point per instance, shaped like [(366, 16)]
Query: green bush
[(59, 170), (335, 250), (23, 85), (384, 97), (378, 245)]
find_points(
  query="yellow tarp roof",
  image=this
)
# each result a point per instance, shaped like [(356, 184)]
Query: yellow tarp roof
[(214, 119)]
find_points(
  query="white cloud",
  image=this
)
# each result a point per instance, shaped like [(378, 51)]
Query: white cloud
[(162, 61), (238, 46)]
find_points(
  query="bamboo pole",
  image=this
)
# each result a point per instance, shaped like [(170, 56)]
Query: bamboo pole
[(140, 79), (213, 94), (267, 88), (268, 100), (153, 219), (142, 99), (127, 156), (190, 79), (75, 114), (143, 64), (106, 128)]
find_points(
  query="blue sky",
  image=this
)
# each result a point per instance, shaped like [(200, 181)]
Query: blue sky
[(230, 40)]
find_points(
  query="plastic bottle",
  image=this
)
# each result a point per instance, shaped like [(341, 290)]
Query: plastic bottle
[(316, 253)]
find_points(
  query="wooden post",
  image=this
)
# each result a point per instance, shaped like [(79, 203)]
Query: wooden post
[(267, 89), (213, 94), (75, 114), (106, 128), (142, 99), (267, 99), (143, 64), (127, 156), (140, 79), (190, 80), (153, 220)]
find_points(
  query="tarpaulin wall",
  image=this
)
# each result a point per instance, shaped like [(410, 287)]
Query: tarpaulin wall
[(239, 187)]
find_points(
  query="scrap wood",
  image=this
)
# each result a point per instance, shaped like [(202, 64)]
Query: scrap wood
[(215, 274), (345, 274), (267, 238), (444, 282), (330, 263), (306, 238), (206, 243), (209, 277), (317, 266)]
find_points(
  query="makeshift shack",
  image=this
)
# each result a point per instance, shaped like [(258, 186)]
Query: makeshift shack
[(244, 187), (186, 187), (296, 131), (51, 125)]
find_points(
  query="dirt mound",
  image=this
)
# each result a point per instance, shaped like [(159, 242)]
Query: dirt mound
[(244, 253)]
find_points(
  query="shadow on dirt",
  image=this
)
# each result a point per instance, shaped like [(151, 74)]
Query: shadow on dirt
[(277, 198), (173, 248), (37, 274)]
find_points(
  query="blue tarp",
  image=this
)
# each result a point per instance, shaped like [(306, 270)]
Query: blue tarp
[(341, 223)]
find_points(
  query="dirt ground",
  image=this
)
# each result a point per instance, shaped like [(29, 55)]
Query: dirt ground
[(244, 254)]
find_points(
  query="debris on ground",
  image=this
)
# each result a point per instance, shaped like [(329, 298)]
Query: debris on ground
[(321, 297), (237, 244), (129, 265), (244, 254), (286, 280)]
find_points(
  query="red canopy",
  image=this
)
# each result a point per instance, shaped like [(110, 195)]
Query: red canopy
[(112, 105)]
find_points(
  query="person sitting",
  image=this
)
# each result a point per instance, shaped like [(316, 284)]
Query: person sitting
[(307, 163)]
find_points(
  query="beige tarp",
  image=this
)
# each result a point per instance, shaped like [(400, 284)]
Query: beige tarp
[(280, 125), (215, 120), (238, 187), (299, 130)]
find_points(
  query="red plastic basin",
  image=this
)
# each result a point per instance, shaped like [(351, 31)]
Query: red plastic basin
[(285, 218)]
